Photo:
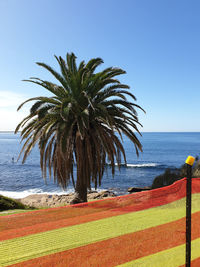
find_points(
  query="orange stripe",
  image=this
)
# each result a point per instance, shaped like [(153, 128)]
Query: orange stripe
[(194, 263), (121, 249), (9, 234), (44, 220)]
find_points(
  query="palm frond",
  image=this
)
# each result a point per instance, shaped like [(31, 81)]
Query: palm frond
[(77, 125)]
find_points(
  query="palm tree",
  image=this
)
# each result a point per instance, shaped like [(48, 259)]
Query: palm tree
[(77, 125)]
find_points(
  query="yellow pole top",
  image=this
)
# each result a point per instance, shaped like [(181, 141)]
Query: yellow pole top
[(190, 160)]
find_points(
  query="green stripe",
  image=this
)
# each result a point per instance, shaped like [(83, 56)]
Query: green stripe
[(173, 257), (36, 245)]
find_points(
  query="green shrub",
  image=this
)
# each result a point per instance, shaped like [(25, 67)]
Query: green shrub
[(9, 204), (167, 178), (170, 176)]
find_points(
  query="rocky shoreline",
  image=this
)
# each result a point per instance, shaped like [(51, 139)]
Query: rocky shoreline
[(47, 201)]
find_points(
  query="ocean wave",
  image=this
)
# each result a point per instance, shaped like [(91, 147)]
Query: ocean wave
[(25, 193), (39, 191), (140, 165)]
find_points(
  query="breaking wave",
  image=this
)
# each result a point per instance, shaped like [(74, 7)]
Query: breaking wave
[(140, 165)]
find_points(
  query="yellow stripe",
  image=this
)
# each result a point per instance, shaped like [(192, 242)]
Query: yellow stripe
[(36, 245), (172, 257)]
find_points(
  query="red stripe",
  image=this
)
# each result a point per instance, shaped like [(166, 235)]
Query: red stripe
[(44, 220), (121, 249), (194, 263)]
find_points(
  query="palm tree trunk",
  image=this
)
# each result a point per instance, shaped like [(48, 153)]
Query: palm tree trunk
[(81, 181), (80, 191)]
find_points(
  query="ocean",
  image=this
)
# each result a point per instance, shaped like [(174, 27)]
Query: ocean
[(160, 151)]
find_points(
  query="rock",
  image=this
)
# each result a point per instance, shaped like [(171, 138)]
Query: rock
[(107, 194), (92, 191), (196, 170), (44, 200), (93, 195), (104, 194), (138, 189)]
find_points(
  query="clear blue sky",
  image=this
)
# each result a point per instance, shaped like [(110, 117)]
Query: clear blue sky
[(157, 42)]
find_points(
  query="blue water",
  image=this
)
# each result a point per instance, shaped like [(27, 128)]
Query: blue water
[(160, 151)]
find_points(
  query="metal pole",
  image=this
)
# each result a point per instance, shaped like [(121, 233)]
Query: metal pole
[(188, 216), (189, 162)]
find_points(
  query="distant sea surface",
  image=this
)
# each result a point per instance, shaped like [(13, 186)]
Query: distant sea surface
[(160, 151)]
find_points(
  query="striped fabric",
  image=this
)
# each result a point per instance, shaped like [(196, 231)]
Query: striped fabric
[(141, 229)]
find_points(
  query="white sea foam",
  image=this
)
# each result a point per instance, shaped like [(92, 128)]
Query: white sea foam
[(25, 193), (142, 165)]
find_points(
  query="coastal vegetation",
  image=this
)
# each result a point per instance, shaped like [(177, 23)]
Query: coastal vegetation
[(7, 203), (171, 175), (77, 125), (168, 177)]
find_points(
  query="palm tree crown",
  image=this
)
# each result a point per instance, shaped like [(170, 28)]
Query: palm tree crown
[(79, 122)]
